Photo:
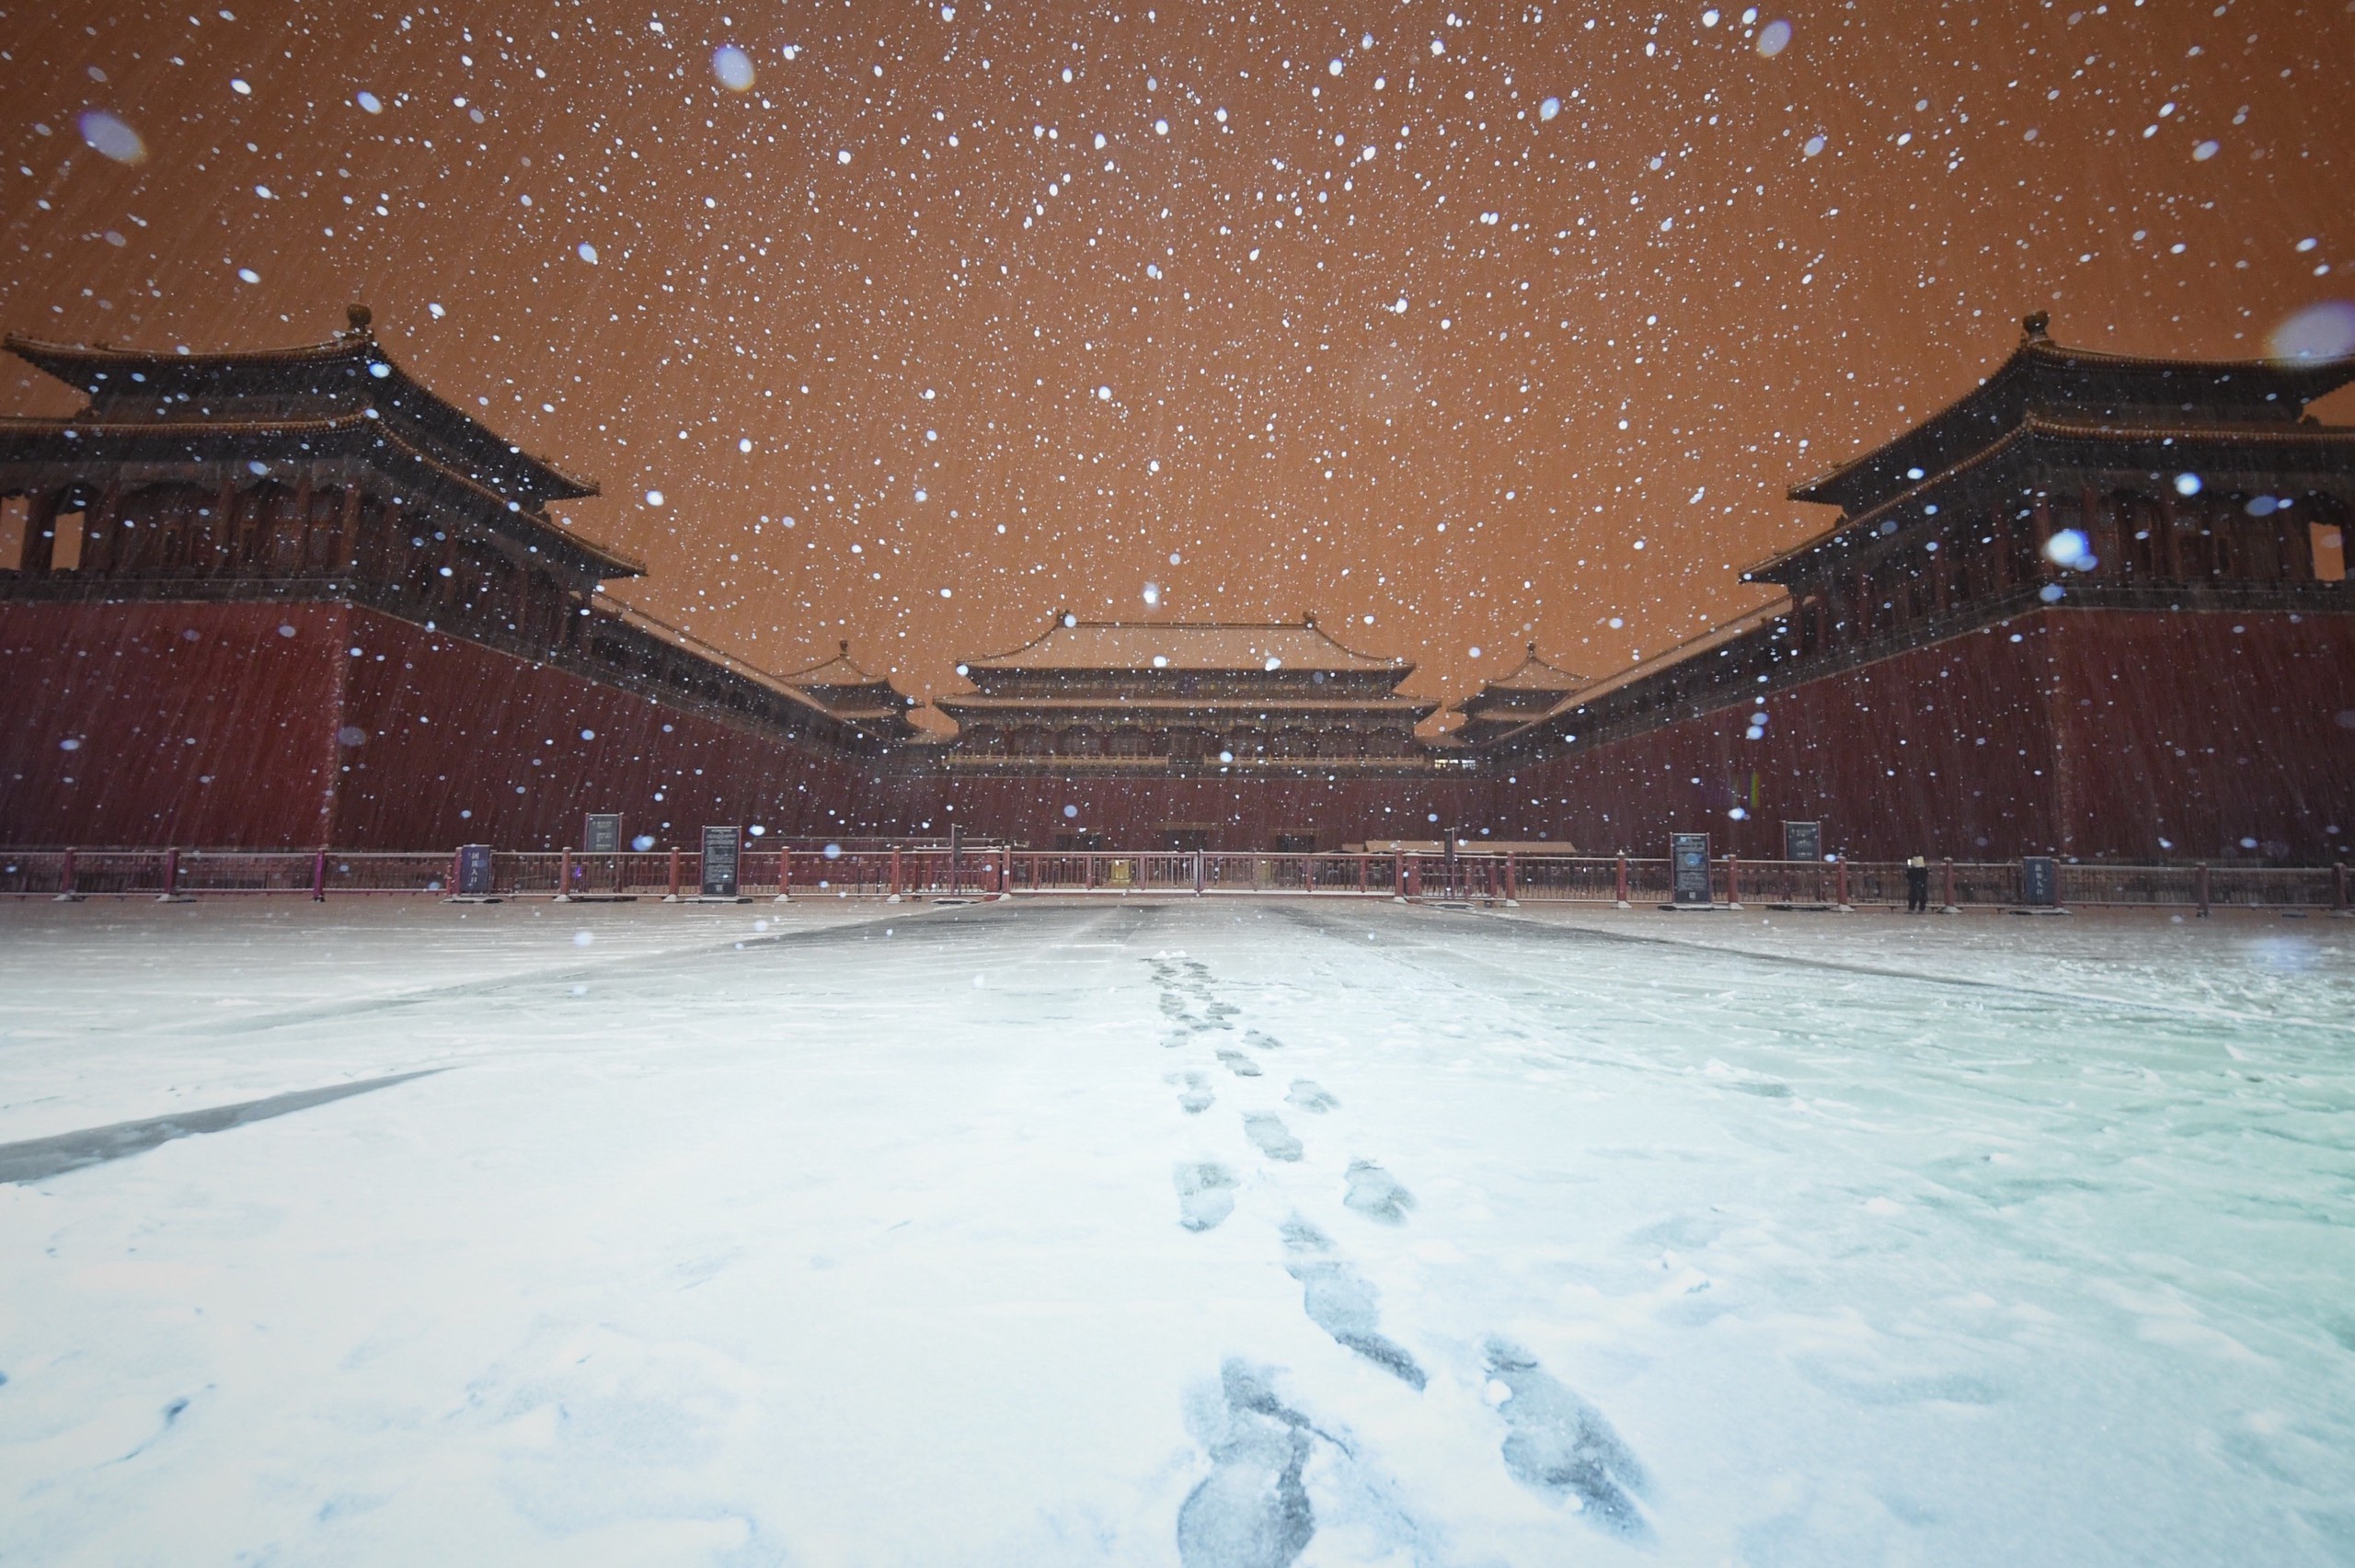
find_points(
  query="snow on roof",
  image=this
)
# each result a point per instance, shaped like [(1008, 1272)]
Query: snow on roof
[(1186, 645)]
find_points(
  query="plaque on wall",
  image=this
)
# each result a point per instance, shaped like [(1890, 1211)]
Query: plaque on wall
[(602, 834), (719, 847), (1802, 840), (1688, 862)]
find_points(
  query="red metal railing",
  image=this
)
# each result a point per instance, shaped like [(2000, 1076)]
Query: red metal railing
[(934, 872)]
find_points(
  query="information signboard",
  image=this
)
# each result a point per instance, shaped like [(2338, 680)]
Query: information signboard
[(719, 846), (474, 876), (603, 833), (1803, 840), (1688, 858), (2040, 882)]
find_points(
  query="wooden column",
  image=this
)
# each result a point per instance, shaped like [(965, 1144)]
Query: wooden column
[(2100, 529), (41, 535), (299, 534), (343, 553), (101, 525)]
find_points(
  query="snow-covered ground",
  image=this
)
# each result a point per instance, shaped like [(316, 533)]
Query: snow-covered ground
[(1204, 1232)]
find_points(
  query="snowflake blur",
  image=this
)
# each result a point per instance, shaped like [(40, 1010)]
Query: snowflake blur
[(1420, 317)]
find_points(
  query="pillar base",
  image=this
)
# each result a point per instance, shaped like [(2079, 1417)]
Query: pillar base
[(66, 898)]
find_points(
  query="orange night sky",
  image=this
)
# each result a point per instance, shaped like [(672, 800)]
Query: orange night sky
[(1261, 309)]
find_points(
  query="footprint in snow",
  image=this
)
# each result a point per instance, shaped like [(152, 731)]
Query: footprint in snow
[(1197, 1096), (1267, 1130), (1238, 1064), (1558, 1443), (1340, 1300), (1376, 1194), (1205, 1195), (1251, 1511), (1264, 1042), (1308, 1097)]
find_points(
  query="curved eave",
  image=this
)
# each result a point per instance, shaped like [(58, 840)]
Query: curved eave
[(353, 435), (2300, 381), (2043, 428), (76, 366), (1081, 706), (1537, 728)]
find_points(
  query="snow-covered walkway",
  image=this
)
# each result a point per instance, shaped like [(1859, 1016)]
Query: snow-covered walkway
[(1211, 1232)]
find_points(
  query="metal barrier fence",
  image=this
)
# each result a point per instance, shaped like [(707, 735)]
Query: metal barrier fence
[(932, 872)]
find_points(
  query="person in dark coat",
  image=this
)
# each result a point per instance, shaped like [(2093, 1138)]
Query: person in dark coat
[(1918, 886)]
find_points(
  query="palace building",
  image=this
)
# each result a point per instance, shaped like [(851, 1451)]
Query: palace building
[(1529, 692), (2097, 607), (869, 704), (292, 597), (1119, 696)]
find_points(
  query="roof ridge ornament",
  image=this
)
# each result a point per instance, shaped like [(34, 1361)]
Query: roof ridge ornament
[(2033, 327), (360, 316)]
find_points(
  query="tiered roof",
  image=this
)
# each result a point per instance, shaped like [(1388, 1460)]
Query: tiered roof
[(2050, 406), (1530, 691), (341, 398), (869, 703), (1070, 645)]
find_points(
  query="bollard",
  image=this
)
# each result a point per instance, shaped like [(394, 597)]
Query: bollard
[(172, 894), (1733, 880), (2199, 886), (1620, 881), (319, 876)]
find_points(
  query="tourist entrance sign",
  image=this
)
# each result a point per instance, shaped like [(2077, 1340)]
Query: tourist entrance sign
[(603, 833), (719, 846), (1802, 840), (476, 879), (1688, 855)]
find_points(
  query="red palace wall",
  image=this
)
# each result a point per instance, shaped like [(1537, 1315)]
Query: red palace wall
[(194, 724), (207, 724), (1244, 813), (2098, 733)]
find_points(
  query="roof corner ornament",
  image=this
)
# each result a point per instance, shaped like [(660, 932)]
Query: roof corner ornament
[(360, 316), (2033, 326), (846, 647)]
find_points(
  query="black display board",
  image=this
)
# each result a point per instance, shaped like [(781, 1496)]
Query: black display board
[(1688, 860), (2040, 882), (719, 846), (1803, 840), (602, 834), (475, 876)]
